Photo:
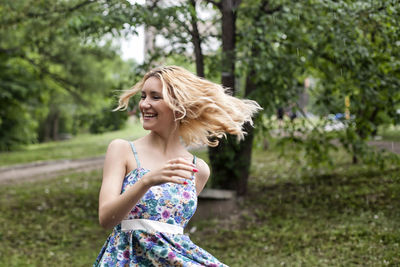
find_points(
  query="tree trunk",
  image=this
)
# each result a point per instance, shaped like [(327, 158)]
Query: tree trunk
[(243, 155), (55, 123), (46, 130), (50, 126), (223, 159), (196, 40), (228, 45), (355, 159)]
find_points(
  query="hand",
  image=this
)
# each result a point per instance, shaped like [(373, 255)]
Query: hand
[(174, 171)]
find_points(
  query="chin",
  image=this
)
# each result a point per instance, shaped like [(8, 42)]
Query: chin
[(146, 127), (149, 126)]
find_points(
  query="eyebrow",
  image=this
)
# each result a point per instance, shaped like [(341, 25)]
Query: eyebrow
[(152, 92)]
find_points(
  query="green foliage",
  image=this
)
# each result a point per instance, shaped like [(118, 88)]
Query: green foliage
[(107, 120), (16, 125), (350, 48), (357, 58), (56, 64), (18, 89), (269, 39)]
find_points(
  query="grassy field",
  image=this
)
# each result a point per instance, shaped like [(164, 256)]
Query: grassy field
[(81, 146), (390, 133), (293, 216)]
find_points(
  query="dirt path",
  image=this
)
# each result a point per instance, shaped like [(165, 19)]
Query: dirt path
[(48, 169), (388, 145)]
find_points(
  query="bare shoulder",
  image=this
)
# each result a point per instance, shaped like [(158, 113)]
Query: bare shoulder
[(118, 144), (203, 174), (115, 163), (204, 170), (117, 150)]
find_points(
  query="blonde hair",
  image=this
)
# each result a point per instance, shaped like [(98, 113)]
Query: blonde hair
[(203, 108)]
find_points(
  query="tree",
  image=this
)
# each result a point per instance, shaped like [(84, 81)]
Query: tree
[(360, 54), (279, 43), (53, 65), (272, 46)]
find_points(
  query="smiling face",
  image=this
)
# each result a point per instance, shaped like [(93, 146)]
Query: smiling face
[(157, 115)]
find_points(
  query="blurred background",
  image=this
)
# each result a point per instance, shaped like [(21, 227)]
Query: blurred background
[(315, 182)]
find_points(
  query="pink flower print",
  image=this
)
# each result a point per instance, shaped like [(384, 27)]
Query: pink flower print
[(135, 210), (153, 239), (165, 214), (126, 254), (171, 255), (186, 195)]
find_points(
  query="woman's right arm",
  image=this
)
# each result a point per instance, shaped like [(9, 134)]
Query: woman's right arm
[(114, 206)]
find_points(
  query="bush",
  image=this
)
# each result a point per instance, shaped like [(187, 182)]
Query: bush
[(17, 126), (107, 120)]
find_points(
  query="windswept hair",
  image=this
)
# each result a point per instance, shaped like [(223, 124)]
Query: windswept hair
[(203, 108)]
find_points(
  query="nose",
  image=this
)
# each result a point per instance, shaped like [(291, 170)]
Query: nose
[(144, 103)]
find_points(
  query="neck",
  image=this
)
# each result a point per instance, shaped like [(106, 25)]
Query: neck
[(167, 143)]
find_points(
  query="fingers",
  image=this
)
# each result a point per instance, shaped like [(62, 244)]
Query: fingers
[(181, 166), (176, 180), (181, 161), (179, 170), (178, 173)]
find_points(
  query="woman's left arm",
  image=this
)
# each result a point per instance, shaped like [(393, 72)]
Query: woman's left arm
[(202, 175)]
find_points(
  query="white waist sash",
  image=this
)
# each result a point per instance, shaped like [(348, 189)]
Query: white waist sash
[(150, 226)]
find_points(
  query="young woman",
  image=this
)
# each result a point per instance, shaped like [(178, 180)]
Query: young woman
[(150, 186)]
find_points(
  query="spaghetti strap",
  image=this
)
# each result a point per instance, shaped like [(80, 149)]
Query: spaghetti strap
[(135, 154), (194, 162)]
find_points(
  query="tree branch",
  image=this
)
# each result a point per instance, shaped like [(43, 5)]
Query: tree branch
[(47, 14), (153, 5), (66, 84), (268, 10), (216, 4)]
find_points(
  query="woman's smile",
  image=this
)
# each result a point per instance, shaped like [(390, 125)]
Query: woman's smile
[(148, 116), (156, 114)]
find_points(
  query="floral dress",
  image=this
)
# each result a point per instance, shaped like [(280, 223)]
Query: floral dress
[(168, 203)]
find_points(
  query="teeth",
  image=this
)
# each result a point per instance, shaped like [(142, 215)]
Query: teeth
[(149, 115)]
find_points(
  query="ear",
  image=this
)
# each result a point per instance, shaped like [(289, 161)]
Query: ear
[(178, 115)]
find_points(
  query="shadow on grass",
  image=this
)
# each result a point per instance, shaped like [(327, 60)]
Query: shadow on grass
[(361, 190), (345, 218), (51, 223)]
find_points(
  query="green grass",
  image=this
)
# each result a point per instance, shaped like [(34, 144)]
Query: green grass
[(390, 133), (51, 223), (81, 146), (292, 216)]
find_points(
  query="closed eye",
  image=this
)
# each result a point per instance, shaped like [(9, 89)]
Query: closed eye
[(154, 95)]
